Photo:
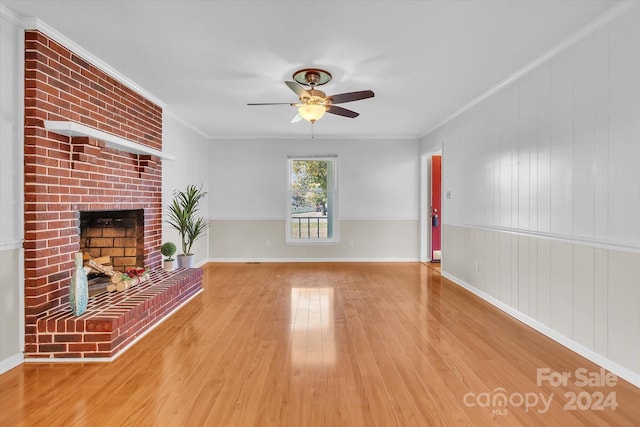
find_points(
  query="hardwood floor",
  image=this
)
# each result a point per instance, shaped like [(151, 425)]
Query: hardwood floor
[(324, 345)]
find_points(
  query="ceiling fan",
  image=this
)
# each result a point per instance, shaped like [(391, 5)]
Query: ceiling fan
[(314, 103)]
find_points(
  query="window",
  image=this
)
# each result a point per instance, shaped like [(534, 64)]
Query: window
[(313, 200)]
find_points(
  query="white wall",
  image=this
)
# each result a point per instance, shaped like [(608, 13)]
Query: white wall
[(191, 166), (378, 199), (545, 195), (11, 196)]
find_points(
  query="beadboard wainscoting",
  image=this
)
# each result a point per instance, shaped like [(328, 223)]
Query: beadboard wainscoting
[(583, 295), (12, 313)]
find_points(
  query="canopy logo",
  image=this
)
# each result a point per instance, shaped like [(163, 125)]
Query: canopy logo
[(500, 401), (591, 398)]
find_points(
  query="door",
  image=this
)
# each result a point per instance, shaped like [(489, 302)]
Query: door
[(436, 207)]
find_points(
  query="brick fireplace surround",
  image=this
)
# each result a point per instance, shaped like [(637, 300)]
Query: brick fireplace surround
[(65, 175)]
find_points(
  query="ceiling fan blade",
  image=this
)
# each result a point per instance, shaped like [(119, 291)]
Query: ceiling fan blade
[(272, 103), (296, 118), (333, 109), (299, 90), (351, 96)]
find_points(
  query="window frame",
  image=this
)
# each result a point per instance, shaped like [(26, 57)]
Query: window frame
[(332, 215)]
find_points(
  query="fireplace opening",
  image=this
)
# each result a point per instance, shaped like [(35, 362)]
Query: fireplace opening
[(114, 235)]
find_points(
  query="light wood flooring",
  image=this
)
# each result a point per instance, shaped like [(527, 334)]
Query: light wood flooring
[(335, 344)]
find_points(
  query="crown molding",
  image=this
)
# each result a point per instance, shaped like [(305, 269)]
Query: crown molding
[(30, 23), (318, 137), (10, 16), (582, 33), (184, 123)]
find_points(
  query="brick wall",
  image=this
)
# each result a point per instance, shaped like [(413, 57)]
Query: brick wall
[(66, 175)]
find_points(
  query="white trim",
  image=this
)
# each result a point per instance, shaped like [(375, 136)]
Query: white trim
[(71, 129), (20, 199), (317, 137), (600, 244), (356, 218), (621, 371), (31, 23), (273, 218), (11, 245), (585, 31), (184, 123), (121, 351), (333, 189), (275, 260), (10, 16), (11, 361), (312, 242), (311, 156), (256, 218)]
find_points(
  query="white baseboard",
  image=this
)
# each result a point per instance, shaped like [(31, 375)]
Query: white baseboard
[(266, 260), (11, 362), (617, 369)]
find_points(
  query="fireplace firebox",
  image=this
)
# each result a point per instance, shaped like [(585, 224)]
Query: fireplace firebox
[(117, 234)]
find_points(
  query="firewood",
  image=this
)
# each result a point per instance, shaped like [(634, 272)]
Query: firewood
[(122, 281), (102, 260), (101, 268), (117, 278)]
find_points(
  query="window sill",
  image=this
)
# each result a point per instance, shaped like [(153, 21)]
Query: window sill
[(311, 242)]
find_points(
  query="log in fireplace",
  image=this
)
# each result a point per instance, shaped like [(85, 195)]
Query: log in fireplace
[(117, 234)]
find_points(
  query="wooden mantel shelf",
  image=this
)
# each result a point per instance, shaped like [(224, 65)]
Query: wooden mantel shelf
[(72, 129)]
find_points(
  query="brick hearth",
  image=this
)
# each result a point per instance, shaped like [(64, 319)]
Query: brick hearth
[(113, 320)]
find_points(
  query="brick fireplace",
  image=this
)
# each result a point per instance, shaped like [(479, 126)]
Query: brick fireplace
[(69, 177)]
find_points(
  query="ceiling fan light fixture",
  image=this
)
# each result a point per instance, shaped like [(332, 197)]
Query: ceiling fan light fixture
[(312, 112), (314, 103)]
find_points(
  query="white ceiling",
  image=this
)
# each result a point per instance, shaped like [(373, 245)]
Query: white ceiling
[(207, 59)]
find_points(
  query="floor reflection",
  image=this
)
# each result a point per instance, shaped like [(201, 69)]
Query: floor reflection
[(312, 327)]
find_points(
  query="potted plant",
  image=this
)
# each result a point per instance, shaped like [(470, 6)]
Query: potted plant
[(169, 249), (182, 212)]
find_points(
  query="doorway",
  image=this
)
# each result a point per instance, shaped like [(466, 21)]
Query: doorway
[(430, 192), (436, 208)]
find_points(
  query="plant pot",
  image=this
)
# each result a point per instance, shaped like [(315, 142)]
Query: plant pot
[(169, 265), (185, 261)]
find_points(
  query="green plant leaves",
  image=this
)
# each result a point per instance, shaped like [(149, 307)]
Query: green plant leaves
[(182, 216)]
